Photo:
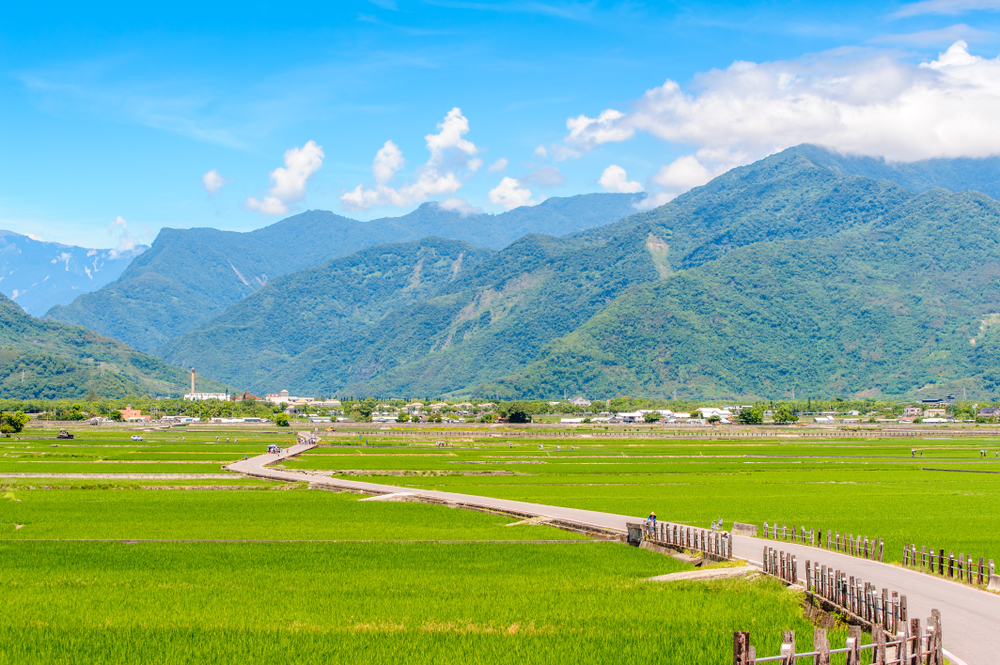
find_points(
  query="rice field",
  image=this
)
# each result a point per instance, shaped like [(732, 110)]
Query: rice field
[(155, 554), (371, 603)]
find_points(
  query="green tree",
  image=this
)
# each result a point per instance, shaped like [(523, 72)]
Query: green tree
[(784, 415), (516, 412), (714, 418), (651, 417), (116, 416), (281, 420), (752, 416), (12, 423), (403, 417)]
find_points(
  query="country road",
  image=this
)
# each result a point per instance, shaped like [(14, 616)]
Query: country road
[(970, 617)]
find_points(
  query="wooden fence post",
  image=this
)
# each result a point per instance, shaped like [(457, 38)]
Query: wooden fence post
[(881, 547), (854, 645), (741, 648), (979, 572), (915, 635), (788, 647), (938, 638), (821, 644), (878, 636)]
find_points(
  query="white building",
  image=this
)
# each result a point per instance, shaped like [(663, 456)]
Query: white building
[(202, 397)]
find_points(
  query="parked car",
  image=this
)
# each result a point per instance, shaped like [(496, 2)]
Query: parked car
[(136, 437)]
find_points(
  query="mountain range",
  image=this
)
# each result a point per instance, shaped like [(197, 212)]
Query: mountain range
[(190, 276), (39, 275), (808, 272), (732, 289)]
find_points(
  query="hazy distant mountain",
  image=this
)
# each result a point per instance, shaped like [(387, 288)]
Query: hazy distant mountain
[(38, 275), (48, 359), (956, 175), (190, 276)]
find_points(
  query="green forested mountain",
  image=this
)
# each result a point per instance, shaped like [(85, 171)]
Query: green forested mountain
[(906, 304), (300, 317), (63, 361), (494, 318), (956, 175), (190, 276)]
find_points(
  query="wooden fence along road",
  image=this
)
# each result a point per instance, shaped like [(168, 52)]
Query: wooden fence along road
[(971, 616)]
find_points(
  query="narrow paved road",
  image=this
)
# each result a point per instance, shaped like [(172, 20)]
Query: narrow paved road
[(971, 618)]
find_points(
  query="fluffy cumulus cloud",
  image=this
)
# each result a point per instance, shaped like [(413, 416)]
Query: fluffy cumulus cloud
[(510, 194), (459, 205), (615, 179), (498, 166), (862, 102), (213, 182), (126, 243), (289, 180), (453, 159)]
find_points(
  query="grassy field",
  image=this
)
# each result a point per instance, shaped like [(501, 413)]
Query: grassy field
[(870, 487), (330, 578), (272, 512), (371, 603)]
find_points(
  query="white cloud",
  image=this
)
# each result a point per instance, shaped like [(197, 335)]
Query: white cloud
[(541, 152), (676, 178), (388, 160), (498, 166), (126, 242), (608, 127), (289, 180), (510, 194), (213, 182), (545, 177), (614, 179), (453, 159), (862, 102), (456, 204), (950, 7)]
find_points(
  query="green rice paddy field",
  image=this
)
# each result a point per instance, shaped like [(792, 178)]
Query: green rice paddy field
[(157, 555)]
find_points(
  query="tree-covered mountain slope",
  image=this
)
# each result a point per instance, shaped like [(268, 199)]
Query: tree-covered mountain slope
[(956, 175), (493, 319), (190, 276), (38, 275), (907, 304), (64, 361), (299, 317)]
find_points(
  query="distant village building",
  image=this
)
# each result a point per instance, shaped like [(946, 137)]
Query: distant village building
[(579, 401), (131, 415), (246, 396), (291, 400), (989, 412), (202, 397)]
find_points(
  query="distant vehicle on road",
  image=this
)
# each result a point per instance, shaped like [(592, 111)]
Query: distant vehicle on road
[(136, 437), (63, 434)]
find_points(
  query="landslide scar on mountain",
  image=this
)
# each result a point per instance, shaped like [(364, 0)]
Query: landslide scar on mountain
[(492, 302), (417, 270), (658, 251)]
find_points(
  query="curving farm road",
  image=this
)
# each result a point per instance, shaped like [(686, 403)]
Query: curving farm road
[(970, 617)]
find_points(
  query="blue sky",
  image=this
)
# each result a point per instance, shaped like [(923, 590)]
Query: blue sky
[(112, 116)]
